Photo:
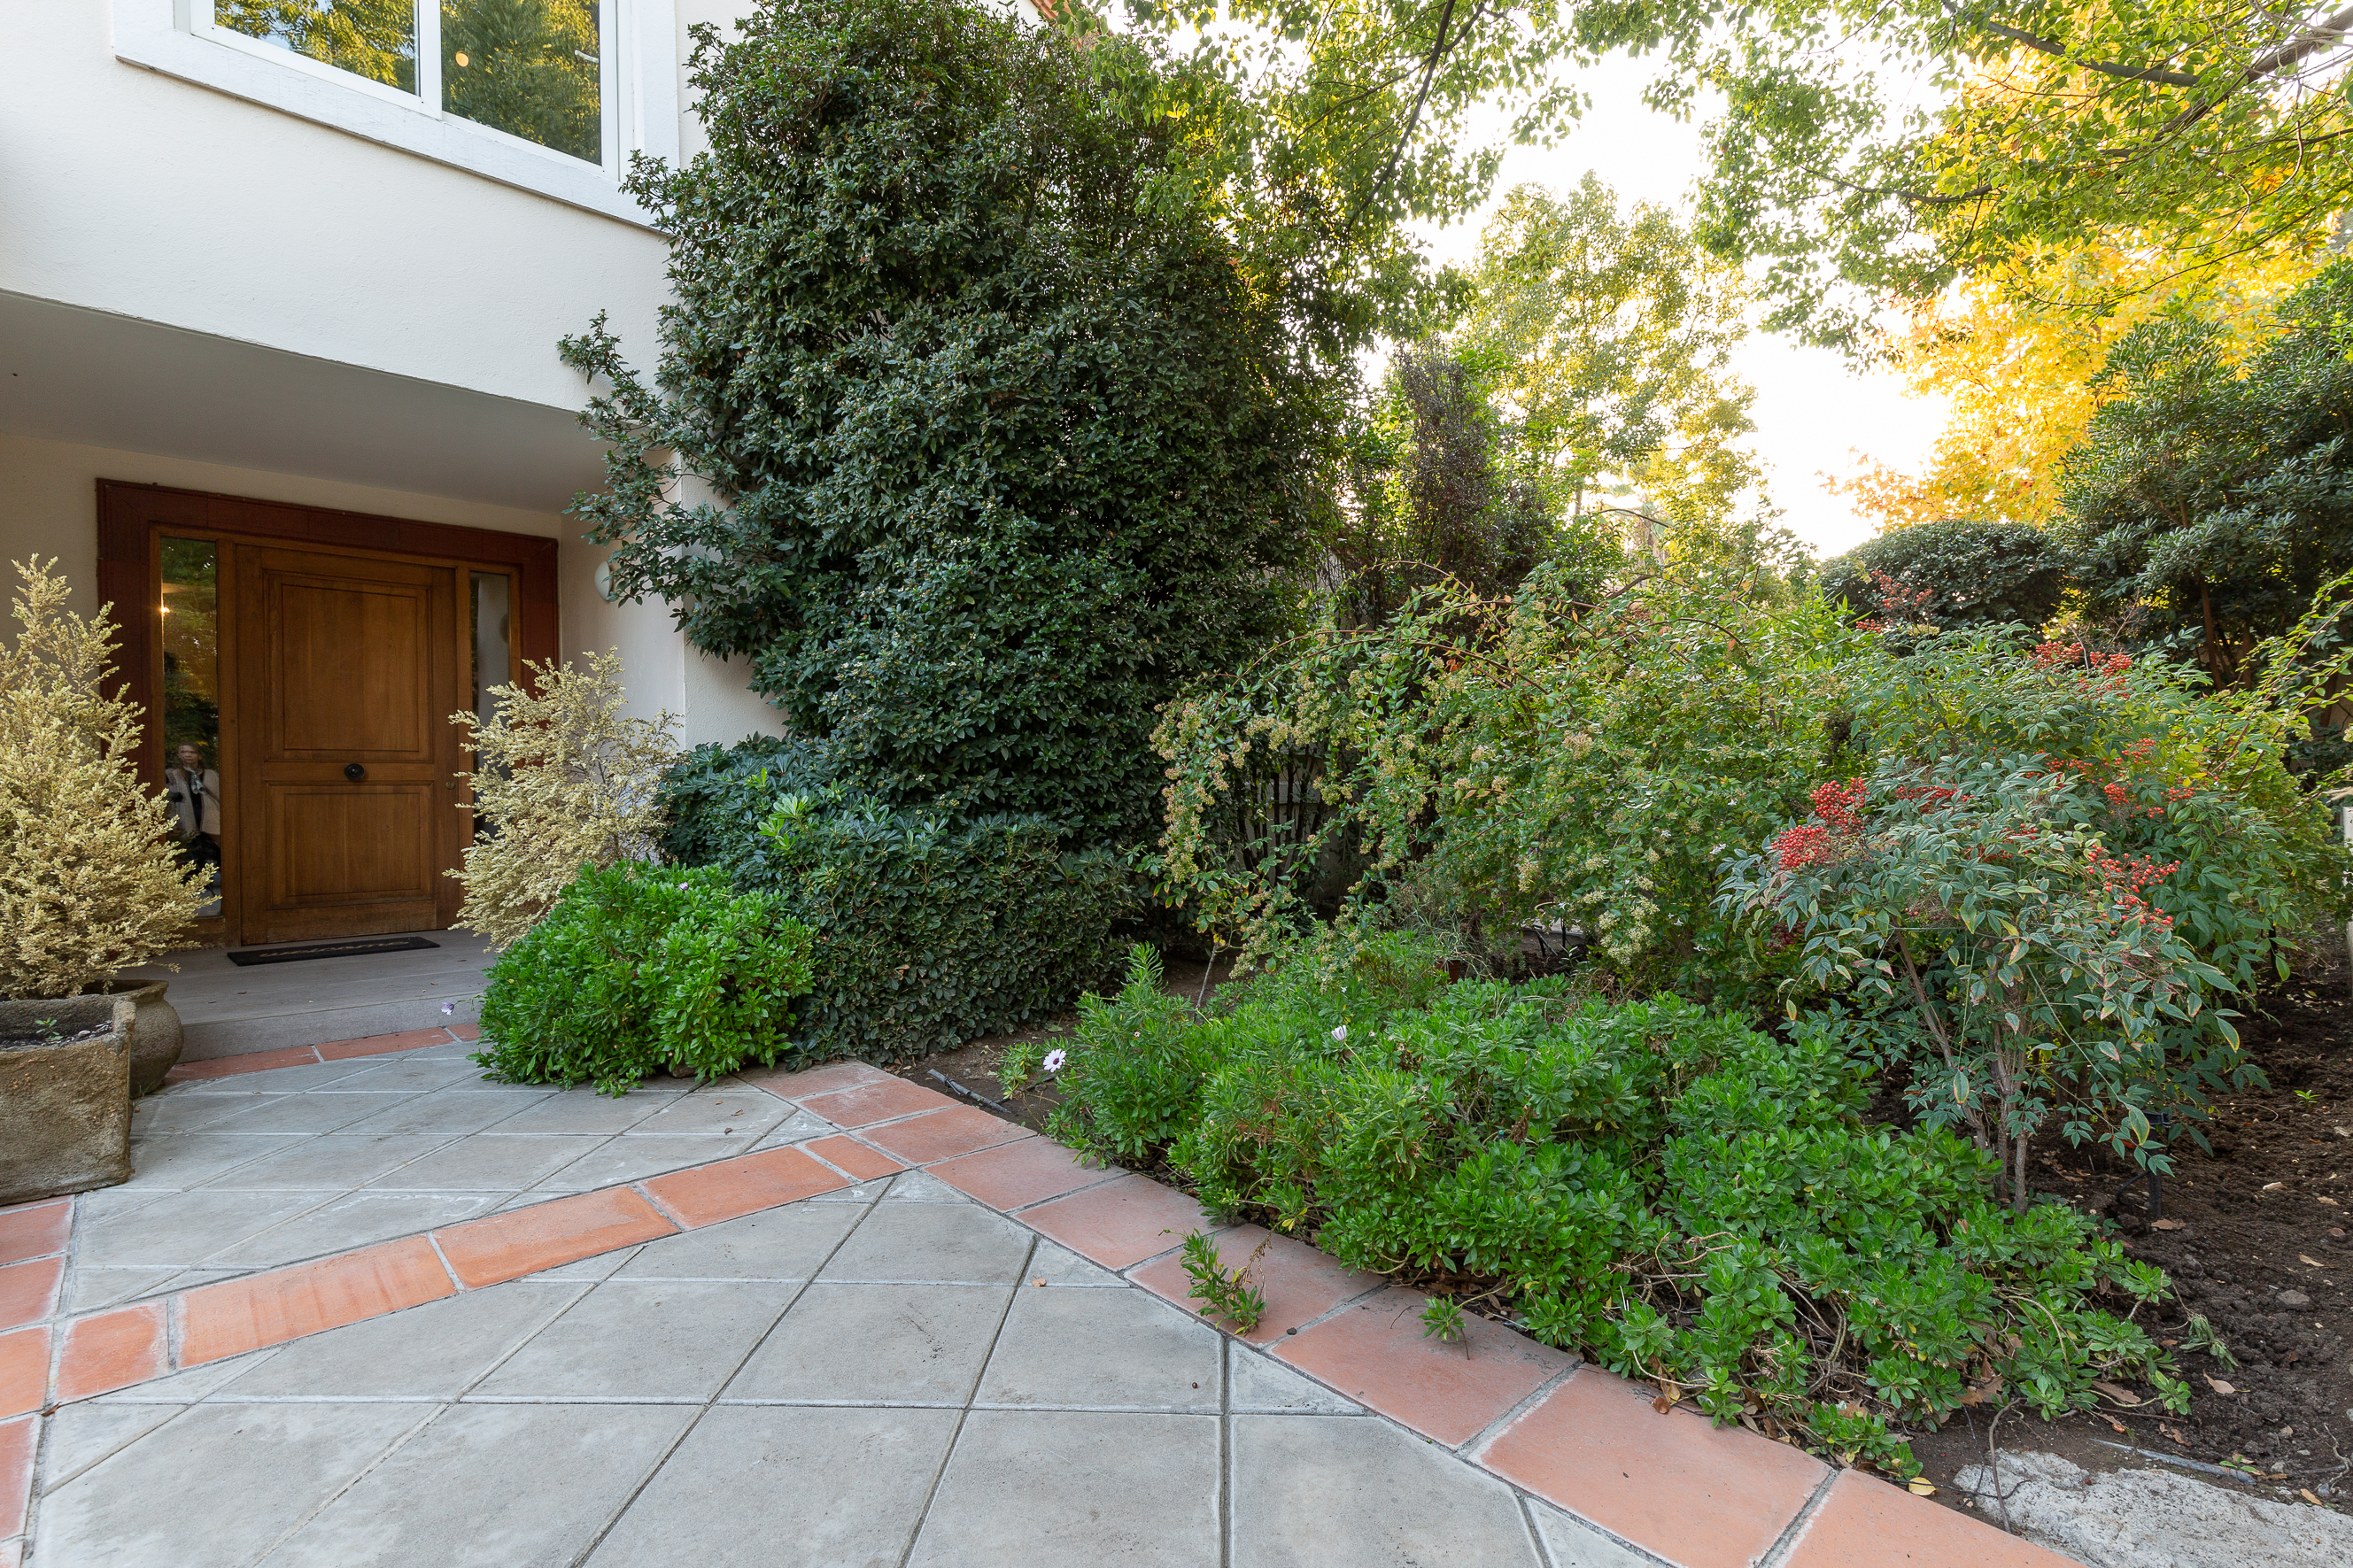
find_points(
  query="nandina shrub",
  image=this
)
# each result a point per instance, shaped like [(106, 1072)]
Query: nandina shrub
[(2052, 869), (1966, 919), (1683, 1199)]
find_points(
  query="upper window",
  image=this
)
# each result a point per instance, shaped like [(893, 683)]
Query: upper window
[(535, 69)]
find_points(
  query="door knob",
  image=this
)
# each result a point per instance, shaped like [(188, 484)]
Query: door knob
[(354, 772)]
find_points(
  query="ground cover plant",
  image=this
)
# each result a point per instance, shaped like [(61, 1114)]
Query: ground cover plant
[(639, 967), (932, 929), (1687, 1201)]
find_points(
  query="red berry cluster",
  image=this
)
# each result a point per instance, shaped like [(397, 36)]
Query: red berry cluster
[(1836, 804), (2125, 878), (1900, 600), (1807, 844)]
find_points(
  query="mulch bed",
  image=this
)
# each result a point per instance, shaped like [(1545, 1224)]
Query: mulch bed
[(2255, 1238)]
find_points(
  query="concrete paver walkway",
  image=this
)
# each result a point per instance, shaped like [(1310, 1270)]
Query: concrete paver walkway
[(378, 1312)]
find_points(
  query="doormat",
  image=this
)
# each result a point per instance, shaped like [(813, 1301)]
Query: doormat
[(328, 949)]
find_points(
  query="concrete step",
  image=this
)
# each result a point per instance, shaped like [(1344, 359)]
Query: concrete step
[(229, 1011)]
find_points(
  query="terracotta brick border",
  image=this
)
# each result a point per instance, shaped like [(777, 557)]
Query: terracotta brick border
[(1688, 1493), (333, 1051)]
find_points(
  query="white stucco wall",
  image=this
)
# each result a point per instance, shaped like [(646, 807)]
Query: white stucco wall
[(127, 191), (208, 223), (49, 505)]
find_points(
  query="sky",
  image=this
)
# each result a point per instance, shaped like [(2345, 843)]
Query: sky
[(1814, 412)]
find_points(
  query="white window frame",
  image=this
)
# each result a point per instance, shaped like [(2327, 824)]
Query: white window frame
[(637, 92)]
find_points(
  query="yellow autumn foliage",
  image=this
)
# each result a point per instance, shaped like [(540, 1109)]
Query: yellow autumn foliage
[(563, 780), (89, 882), (2015, 355)]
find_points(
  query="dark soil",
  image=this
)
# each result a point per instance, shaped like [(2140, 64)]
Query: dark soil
[(971, 1070), (2255, 1238), (95, 1032)]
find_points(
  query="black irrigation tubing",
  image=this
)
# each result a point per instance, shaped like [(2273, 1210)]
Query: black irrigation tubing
[(968, 1093)]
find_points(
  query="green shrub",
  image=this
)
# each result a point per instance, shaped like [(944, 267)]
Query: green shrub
[(638, 967), (931, 931), (1010, 449), (1494, 765), (1685, 1201), (1959, 573)]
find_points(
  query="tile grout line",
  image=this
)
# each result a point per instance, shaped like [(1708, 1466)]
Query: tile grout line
[(964, 1411), (1470, 1446), (1225, 1450), (400, 1440), (458, 1285), (719, 1388), (1787, 1541), (1640, 1554), (653, 1202), (1540, 1548)]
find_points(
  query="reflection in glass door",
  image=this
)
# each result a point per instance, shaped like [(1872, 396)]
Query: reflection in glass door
[(190, 613)]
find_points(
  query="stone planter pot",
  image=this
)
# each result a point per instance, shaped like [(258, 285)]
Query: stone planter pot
[(65, 1108), (155, 1036)]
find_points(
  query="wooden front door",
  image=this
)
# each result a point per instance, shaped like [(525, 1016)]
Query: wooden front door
[(343, 796)]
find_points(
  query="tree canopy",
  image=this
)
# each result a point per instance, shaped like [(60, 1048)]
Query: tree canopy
[(2020, 363), (1609, 336), (1860, 147), (2210, 500)]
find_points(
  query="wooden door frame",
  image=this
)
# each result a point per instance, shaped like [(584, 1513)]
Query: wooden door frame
[(132, 519)]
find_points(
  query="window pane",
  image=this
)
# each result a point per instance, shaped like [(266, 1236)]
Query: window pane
[(490, 629), (373, 39), (527, 67), (191, 616)]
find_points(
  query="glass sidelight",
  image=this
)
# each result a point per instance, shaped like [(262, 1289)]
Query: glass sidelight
[(190, 613), (493, 609)]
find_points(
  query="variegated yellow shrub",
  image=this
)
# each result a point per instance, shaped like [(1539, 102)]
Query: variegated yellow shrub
[(88, 880), (563, 780)]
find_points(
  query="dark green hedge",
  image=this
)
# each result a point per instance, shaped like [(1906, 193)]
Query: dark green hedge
[(930, 932), (1976, 573)]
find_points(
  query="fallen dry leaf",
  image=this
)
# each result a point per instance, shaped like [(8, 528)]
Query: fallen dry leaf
[(2119, 1393), (2303, 1257), (1921, 1486), (2332, 1203), (2174, 1433), (2218, 1386), (2170, 1225), (2117, 1424), (2341, 1133), (2274, 1186), (2305, 1493)]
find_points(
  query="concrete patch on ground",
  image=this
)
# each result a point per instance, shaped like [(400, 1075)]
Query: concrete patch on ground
[(2154, 1518)]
